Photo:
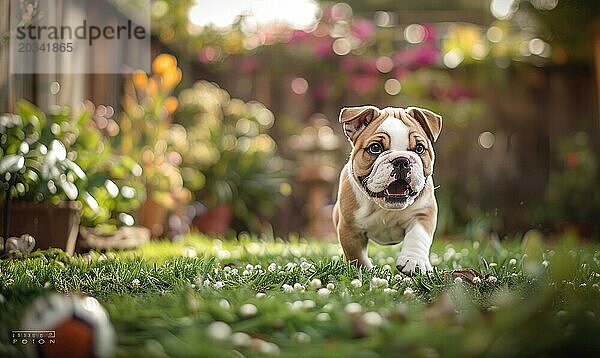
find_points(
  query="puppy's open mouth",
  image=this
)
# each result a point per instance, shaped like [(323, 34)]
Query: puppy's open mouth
[(398, 190)]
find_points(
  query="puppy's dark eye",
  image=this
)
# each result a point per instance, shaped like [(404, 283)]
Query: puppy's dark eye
[(375, 148), (419, 148)]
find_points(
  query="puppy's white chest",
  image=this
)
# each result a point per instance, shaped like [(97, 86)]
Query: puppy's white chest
[(383, 227)]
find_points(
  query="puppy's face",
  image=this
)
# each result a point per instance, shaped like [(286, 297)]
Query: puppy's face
[(392, 153)]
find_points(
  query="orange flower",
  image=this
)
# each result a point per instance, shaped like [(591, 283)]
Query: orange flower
[(170, 79), (171, 104), (163, 63), (140, 80)]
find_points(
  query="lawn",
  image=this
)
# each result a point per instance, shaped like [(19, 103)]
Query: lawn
[(251, 297)]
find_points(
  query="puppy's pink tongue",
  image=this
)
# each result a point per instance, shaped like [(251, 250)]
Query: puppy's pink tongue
[(398, 187)]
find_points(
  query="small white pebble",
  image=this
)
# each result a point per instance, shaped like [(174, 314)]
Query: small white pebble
[(323, 292), (219, 331), (301, 337), (356, 283), (373, 319), (299, 287), (248, 310), (240, 339), (224, 304), (315, 283), (353, 308), (308, 304), (323, 316)]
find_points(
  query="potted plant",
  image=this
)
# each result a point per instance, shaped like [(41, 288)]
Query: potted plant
[(145, 128), (230, 162), (59, 170)]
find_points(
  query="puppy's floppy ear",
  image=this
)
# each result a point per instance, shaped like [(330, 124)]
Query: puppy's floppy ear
[(431, 122), (355, 119)]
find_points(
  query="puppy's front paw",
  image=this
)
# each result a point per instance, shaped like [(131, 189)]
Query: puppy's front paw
[(408, 264)]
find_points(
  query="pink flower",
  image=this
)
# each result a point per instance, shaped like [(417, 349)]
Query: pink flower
[(362, 29)]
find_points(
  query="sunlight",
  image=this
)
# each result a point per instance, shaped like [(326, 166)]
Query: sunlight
[(299, 14)]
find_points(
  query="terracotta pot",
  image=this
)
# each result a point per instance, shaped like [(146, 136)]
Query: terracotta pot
[(214, 221), (51, 225), (153, 216)]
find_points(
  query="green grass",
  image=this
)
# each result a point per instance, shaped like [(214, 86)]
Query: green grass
[(163, 299)]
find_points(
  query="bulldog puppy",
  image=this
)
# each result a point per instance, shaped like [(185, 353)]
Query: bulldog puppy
[(386, 189)]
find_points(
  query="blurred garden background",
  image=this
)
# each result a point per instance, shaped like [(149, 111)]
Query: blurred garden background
[(235, 129)]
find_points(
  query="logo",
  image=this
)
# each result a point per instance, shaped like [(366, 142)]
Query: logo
[(25, 338)]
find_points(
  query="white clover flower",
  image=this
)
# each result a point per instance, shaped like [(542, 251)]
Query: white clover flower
[(216, 270), (219, 331), (512, 262), (353, 308), (246, 273), (356, 283), (330, 286), (315, 283), (305, 265), (240, 339), (476, 280), (398, 277), (323, 316), (323, 292), (258, 267), (458, 280), (227, 269), (373, 319), (135, 282), (389, 290), (249, 267), (261, 295), (272, 267), (218, 284), (545, 263), (308, 304), (234, 271), (287, 288), (299, 287), (409, 291), (301, 337), (290, 265), (492, 279), (248, 310), (224, 304)]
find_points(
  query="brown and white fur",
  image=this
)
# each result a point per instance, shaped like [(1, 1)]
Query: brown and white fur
[(388, 197)]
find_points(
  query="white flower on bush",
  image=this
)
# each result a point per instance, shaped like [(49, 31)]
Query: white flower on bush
[(219, 331), (287, 288), (315, 283), (356, 283), (248, 310)]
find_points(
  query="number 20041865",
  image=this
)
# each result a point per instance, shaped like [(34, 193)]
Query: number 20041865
[(45, 47)]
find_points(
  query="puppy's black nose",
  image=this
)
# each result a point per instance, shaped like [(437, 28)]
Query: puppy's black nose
[(401, 163)]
